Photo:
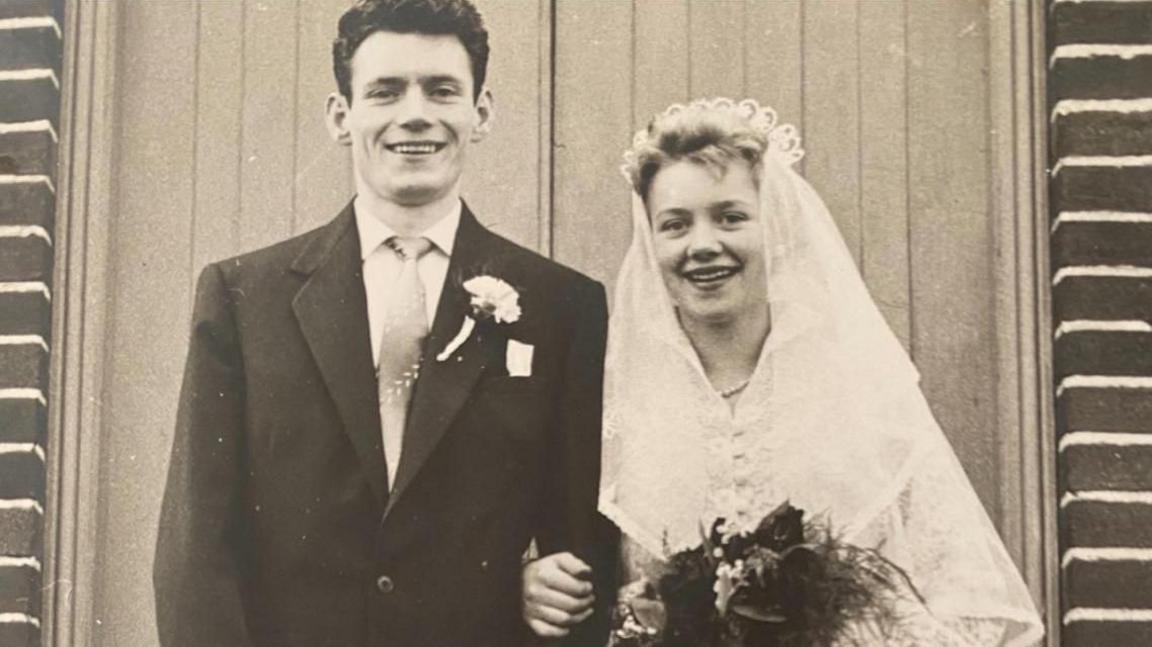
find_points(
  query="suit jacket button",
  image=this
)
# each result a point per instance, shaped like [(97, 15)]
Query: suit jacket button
[(384, 584)]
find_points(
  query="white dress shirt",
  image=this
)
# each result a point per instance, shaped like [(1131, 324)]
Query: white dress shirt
[(382, 267)]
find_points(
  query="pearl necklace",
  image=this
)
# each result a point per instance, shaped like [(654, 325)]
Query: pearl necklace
[(733, 390)]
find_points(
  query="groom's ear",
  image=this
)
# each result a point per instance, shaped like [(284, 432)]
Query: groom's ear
[(484, 105), (335, 118)]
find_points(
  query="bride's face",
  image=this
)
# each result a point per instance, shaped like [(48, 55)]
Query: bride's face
[(707, 232)]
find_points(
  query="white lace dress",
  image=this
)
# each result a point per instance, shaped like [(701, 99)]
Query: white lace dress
[(749, 472)]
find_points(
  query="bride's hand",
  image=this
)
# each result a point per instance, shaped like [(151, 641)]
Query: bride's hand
[(557, 594)]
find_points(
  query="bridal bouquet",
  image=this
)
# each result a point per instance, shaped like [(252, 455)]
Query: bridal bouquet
[(788, 583)]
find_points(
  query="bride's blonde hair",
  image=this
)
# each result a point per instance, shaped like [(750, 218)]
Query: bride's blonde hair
[(708, 133)]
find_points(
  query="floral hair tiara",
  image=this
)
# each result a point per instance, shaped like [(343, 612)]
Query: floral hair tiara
[(783, 140)]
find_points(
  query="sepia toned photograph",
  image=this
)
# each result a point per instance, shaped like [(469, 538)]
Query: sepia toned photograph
[(596, 323)]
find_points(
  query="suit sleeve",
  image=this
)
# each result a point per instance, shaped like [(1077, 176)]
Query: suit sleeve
[(196, 573), (571, 521)]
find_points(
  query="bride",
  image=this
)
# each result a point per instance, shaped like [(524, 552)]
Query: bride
[(747, 365)]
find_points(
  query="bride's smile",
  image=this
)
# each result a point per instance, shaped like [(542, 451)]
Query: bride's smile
[(711, 277)]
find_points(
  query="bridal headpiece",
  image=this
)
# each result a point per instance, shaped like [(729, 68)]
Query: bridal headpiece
[(779, 141)]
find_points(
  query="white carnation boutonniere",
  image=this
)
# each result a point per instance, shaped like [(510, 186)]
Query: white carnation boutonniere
[(491, 299)]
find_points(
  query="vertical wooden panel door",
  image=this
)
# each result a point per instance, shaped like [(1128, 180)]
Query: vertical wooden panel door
[(893, 105), (222, 149)]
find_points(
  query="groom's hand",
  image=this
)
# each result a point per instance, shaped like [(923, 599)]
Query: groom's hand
[(557, 594)]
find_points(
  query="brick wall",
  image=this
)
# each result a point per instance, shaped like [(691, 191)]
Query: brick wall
[(1101, 250), (30, 55)]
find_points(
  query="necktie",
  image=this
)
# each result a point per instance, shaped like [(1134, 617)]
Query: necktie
[(405, 327)]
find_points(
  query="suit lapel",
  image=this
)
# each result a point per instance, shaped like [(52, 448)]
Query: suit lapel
[(333, 316), (444, 386)]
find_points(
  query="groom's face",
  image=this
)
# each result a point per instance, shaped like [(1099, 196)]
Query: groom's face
[(411, 117)]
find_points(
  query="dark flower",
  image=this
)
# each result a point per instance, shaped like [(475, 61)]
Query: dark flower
[(689, 601), (800, 567), (781, 529)]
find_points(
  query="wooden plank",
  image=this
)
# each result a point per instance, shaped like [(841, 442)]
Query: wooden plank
[(323, 176), (593, 119), (544, 148), (883, 162), (832, 111), (149, 303), (716, 46), (774, 64), (661, 59), (269, 123), (502, 178), (951, 237), (219, 92)]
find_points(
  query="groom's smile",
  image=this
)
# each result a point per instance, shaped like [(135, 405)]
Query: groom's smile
[(418, 148)]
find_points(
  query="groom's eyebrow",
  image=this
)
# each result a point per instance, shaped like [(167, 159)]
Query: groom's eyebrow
[(386, 82), (438, 79), (400, 82)]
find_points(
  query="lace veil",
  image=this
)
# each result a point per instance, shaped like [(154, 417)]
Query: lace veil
[(833, 418)]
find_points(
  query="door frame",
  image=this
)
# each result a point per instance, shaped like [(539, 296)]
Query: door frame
[(1018, 136), (84, 206)]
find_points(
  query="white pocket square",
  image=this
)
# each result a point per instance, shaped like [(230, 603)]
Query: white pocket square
[(518, 359)]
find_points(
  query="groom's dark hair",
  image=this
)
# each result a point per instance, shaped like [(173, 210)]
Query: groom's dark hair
[(458, 18)]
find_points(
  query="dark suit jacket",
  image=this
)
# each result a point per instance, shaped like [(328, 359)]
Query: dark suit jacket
[(277, 528)]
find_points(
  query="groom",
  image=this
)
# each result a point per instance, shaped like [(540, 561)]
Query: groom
[(380, 415)]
